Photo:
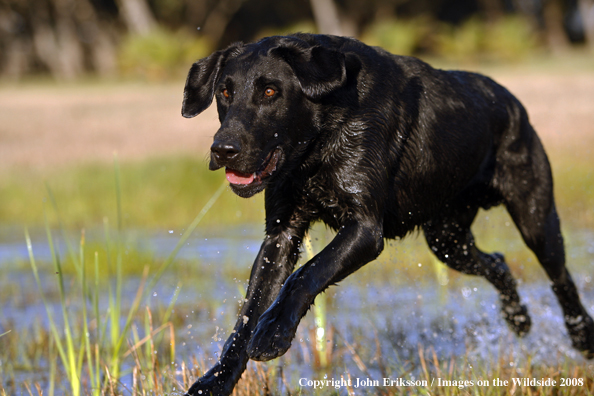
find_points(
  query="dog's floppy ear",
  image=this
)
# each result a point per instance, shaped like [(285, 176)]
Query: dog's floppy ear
[(202, 79), (319, 70)]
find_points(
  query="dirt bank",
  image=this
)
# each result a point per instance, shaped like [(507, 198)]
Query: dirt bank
[(50, 125)]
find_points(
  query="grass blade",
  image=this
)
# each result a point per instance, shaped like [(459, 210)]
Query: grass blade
[(71, 362), (186, 235), (69, 247), (56, 336)]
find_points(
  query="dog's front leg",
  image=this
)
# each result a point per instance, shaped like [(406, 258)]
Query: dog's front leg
[(274, 263), (357, 243)]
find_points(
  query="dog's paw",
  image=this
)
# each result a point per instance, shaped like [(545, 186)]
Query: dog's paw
[(581, 332), (517, 318), (271, 338), (213, 383)]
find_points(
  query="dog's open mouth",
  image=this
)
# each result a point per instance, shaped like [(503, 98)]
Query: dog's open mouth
[(268, 167)]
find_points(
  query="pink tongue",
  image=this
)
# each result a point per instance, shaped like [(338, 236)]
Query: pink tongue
[(238, 178)]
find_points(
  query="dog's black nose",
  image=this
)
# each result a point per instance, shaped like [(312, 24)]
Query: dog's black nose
[(225, 151)]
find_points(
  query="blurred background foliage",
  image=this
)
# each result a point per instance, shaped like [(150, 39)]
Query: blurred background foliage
[(155, 39), (160, 53)]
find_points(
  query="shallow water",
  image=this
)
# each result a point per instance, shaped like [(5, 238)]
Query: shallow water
[(460, 318)]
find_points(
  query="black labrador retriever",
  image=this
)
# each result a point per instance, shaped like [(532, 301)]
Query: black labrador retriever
[(374, 145)]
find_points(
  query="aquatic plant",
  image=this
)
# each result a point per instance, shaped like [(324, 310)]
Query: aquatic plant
[(102, 351)]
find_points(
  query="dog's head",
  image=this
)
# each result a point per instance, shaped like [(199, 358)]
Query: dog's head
[(266, 94)]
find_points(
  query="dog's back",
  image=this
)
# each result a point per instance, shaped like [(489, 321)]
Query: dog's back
[(437, 134)]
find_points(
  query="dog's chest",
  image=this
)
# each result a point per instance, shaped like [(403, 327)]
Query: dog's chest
[(325, 201)]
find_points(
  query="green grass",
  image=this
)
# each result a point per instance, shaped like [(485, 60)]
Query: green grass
[(156, 193), (166, 192)]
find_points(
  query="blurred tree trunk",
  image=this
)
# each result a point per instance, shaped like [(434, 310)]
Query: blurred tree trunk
[(103, 55), (492, 9), (195, 13), (96, 35), (553, 19), (138, 16), (326, 17), (15, 49), (66, 37), (217, 20), (16, 58), (586, 8), (58, 46)]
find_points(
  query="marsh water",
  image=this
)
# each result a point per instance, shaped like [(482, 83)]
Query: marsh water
[(377, 318)]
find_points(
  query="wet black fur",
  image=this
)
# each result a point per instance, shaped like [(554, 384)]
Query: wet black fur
[(374, 145)]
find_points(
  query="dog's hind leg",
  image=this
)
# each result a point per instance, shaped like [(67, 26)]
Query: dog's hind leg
[(529, 200), (543, 236), (450, 239)]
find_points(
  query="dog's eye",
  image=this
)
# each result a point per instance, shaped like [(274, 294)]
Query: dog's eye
[(269, 92), (226, 93)]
